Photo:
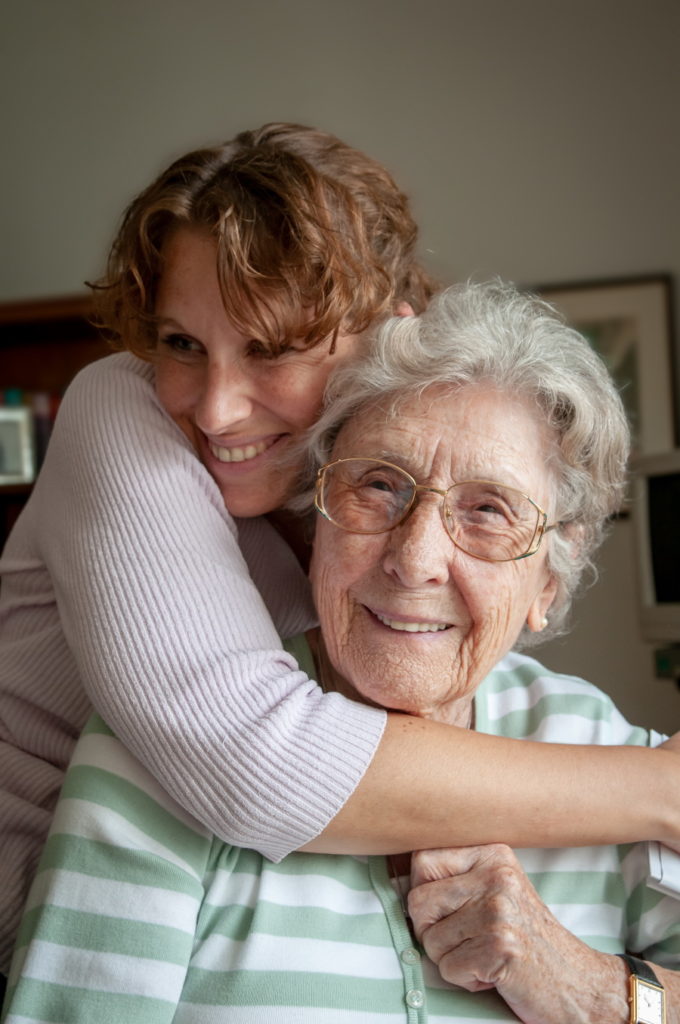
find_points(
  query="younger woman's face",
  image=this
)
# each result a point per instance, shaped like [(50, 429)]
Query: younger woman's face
[(240, 408)]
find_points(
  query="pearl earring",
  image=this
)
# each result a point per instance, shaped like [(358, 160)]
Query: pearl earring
[(544, 622)]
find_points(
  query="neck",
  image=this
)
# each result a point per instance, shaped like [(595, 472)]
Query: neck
[(460, 713)]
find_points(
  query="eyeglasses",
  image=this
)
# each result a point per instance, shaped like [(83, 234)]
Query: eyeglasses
[(485, 519)]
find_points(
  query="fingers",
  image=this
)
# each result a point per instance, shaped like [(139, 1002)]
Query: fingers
[(492, 903), (468, 910), (476, 946), (479, 964), (431, 865), (434, 902), (440, 883)]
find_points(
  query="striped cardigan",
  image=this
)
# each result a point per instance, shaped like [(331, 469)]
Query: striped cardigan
[(138, 914)]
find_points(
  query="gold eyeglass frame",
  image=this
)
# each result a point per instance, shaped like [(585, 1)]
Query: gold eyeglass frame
[(541, 518)]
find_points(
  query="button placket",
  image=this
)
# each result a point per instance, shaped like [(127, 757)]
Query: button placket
[(409, 958)]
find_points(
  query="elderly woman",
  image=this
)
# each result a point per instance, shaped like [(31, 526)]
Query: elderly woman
[(465, 482)]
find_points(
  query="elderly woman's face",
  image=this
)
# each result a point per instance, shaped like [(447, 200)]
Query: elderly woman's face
[(411, 621)]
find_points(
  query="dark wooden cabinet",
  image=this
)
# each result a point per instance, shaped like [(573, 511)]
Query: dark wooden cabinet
[(43, 344)]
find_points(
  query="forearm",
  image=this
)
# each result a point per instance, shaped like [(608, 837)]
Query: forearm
[(476, 789)]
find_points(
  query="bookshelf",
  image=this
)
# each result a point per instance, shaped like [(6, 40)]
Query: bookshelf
[(43, 344)]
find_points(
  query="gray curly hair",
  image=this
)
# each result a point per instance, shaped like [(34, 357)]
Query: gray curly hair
[(493, 333)]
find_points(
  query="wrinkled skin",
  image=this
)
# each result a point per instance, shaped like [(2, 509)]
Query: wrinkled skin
[(365, 586), (482, 922)]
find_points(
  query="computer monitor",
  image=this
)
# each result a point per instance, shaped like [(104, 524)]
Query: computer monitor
[(656, 514)]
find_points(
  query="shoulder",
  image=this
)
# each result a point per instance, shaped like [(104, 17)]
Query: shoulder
[(118, 370), (524, 699), (119, 466), (116, 383), (111, 410)]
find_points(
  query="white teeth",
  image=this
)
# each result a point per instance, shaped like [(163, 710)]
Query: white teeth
[(238, 454), (412, 627)]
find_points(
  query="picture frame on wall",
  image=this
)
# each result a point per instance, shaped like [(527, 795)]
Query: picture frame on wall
[(629, 322), (17, 459)]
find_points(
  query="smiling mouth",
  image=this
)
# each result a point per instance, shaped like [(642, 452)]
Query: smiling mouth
[(412, 627), (240, 453)]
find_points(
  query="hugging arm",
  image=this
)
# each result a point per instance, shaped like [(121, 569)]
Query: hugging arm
[(172, 640), (505, 790), (179, 655)]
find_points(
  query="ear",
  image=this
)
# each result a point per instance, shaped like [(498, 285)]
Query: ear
[(404, 309), (538, 610)]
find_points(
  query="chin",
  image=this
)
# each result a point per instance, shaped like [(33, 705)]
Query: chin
[(247, 504), (394, 699), (244, 509)]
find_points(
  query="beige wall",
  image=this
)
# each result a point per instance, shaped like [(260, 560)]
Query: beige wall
[(538, 140)]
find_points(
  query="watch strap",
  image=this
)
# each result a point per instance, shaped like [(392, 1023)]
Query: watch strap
[(641, 969), (643, 977)]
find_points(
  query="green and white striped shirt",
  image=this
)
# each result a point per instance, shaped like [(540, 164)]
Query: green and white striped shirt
[(138, 914)]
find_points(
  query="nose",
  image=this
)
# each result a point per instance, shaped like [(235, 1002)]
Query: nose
[(224, 400), (419, 551)]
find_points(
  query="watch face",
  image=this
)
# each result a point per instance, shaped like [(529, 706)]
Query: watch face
[(650, 1009)]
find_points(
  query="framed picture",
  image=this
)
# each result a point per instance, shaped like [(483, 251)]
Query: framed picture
[(629, 322), (17, 463)]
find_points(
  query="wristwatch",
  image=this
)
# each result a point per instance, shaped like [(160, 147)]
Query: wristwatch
[(647, 995)]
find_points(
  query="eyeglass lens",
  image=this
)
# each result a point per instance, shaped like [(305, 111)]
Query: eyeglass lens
[(486, 519)]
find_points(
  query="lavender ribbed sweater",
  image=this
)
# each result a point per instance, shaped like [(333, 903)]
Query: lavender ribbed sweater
[(127, 586)]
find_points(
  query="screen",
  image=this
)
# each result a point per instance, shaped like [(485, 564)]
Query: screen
[(664, 533)]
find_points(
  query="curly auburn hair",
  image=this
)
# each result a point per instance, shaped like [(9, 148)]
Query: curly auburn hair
[(312, 236)]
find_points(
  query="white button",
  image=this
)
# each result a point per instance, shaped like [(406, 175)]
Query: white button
[(415, 998), (410, 955)]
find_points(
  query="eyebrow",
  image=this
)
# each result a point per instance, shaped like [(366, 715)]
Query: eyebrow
[(402, 461), (166, 321), (389, 456)]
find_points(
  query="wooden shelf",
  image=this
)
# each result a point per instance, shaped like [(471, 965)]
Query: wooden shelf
[(43, 344), (15, 490)]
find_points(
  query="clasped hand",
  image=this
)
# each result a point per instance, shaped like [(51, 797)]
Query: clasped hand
[(483, 924)]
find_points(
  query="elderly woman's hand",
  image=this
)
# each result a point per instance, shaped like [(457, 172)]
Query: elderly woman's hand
[(482, 922)]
